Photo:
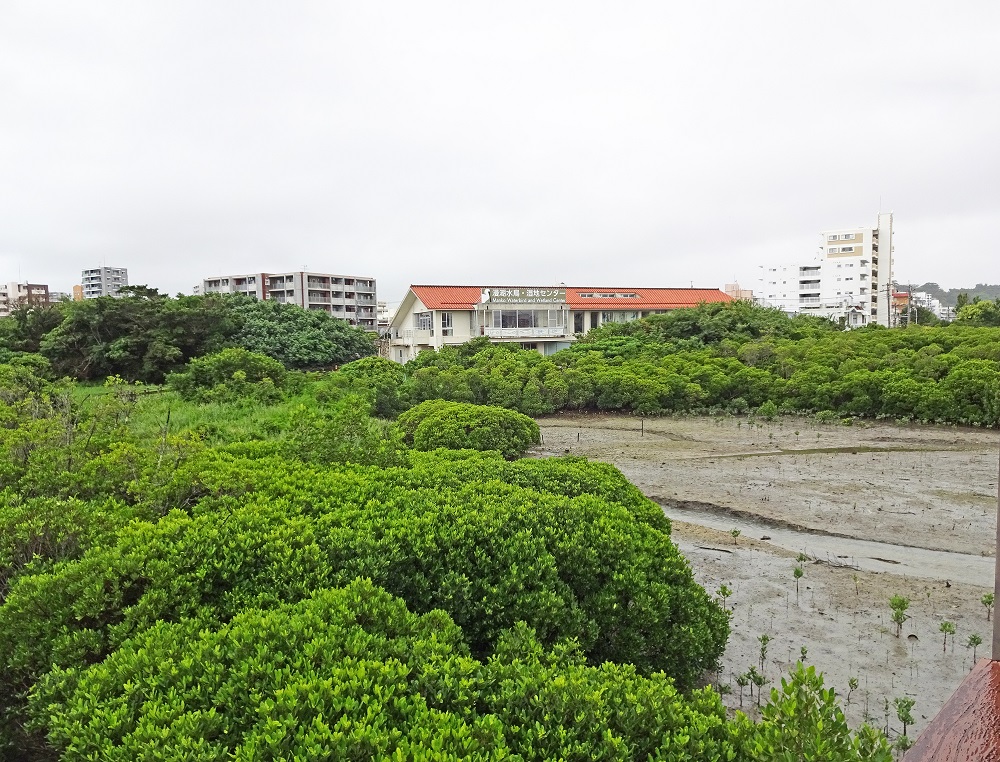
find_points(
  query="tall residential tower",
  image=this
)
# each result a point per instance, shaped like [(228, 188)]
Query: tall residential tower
[(103, 281), (850, 280)]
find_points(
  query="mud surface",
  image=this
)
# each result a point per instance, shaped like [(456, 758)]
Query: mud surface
[(820, 487)]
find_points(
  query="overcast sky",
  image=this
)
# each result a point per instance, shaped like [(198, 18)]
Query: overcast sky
[(619, 144)]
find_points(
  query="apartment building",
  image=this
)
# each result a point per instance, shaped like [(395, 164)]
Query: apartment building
[(543, 318), (848, 280), (14, 295), (348, 297), (103, 281)]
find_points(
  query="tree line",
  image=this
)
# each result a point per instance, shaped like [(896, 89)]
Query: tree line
[(143, 335), (720, 359)]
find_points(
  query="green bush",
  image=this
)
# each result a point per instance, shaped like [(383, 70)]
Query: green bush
[(375, 378), (342, 432), (803, 721), (412, 418), (351, 674), (232, 375), (268, 532), (459, 426)]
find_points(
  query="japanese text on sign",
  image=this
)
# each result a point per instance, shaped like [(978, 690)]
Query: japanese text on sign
[(524, 295)]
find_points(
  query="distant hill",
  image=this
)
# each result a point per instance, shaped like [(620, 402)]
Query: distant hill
[(949, 295)]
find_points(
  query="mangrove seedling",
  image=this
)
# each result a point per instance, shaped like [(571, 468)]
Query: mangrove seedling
[(735, 533), (899, 605), (987, 601), (763, 640), (797, 573), (724, 592), (948, 628), (852, 685), (743, 681), (903, 706), (974, 642)]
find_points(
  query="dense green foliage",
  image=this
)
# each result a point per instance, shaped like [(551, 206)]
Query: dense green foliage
[(209, 579), (980, 312), (732, 358), (460, 426), (352, 674), (144, 335), (802, 721), (232, 375)]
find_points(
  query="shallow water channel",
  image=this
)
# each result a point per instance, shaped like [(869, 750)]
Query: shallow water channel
[(861, 554)]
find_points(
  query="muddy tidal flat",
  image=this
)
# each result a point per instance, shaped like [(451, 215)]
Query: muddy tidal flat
[(877, 509)]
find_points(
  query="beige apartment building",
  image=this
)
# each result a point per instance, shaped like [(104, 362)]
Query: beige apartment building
[(348, 297)]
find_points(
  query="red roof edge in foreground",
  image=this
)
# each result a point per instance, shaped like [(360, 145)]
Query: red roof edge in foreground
[(967, 729)]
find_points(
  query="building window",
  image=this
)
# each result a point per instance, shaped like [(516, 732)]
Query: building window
[(525, 318), (846, 248), (848, 236), (447, 325), (832, 250), (424, 321), (831, 238)]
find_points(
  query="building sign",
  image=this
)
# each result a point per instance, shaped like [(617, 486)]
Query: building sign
[(523, 295)]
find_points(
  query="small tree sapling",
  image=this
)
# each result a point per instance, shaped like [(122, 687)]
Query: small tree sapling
[(974, 642), (987, 601), (948, 628), (899, 605), (724, 592)]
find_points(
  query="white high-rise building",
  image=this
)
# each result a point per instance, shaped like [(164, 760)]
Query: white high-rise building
[(103, 281), (849, 280)]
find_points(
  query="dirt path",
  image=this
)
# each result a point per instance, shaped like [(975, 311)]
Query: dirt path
[(922, 487)]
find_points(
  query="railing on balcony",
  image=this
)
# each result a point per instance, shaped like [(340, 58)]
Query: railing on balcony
[(525, 333), (412, 335)]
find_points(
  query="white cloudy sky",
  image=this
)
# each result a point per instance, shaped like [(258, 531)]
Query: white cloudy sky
[(593, 143)]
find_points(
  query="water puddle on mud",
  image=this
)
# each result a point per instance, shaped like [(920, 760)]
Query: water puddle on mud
[(862, 554)]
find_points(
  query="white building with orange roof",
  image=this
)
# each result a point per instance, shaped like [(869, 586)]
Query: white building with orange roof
[(543, 318)]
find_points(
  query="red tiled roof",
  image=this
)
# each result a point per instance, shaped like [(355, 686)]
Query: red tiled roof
[(644, 299), (467, 297), (448, 297)]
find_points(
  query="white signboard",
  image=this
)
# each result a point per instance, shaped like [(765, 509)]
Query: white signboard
[(517, 295)]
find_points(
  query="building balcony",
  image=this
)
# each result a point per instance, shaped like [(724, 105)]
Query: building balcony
[(525, 333), (412, 336)]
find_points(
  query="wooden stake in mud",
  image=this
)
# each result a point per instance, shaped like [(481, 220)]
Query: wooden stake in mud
[(996, 574)]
